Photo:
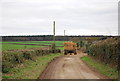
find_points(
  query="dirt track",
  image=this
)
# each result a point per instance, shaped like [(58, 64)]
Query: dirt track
[(70, 67)]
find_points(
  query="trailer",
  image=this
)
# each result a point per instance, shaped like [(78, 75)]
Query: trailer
[(70, 47)]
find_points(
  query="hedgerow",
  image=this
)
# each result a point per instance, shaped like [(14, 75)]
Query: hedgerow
[(106, 51), (11, 59)]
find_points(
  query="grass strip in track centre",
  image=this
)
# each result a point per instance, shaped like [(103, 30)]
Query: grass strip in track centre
[(102, 68), (30, 69)]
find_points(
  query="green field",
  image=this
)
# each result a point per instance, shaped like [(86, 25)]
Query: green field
[(33, 44)]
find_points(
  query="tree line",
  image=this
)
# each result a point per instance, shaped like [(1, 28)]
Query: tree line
[(47, 37)]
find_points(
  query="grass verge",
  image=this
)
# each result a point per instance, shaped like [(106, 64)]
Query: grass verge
[(30, 69), (102, 68)]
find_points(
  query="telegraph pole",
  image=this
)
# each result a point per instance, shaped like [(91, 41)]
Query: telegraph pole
[(54, 35), (54, 31), (64, 32)]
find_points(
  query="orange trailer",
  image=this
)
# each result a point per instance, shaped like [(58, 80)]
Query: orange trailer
[(70, 47)]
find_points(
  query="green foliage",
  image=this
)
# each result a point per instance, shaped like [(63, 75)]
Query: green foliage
[(8, 61), (11, 59), (30, 69), (106, 51), (7, 77)]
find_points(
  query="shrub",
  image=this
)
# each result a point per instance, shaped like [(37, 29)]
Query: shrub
[(106, 51), (11, 59)]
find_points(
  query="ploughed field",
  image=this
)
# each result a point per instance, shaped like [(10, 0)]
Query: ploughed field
[(29, 44)]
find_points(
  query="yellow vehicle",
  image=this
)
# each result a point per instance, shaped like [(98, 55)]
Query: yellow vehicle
[(70, 47)]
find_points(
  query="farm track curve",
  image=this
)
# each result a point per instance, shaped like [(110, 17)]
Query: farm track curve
[(70, 67)]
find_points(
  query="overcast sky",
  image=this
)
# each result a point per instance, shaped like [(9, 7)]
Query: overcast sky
[(77, 17)]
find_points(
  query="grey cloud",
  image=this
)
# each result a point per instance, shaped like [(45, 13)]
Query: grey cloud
[(86, 16)]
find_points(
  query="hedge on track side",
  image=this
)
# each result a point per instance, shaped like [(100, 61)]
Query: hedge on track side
[(11, 59), (107, 51)]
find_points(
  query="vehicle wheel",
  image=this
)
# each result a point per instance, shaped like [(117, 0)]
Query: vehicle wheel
[(65, 52), (75, 53)]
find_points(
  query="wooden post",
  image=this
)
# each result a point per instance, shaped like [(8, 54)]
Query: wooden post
[(54, 36), (64, 32), (54, 31)]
